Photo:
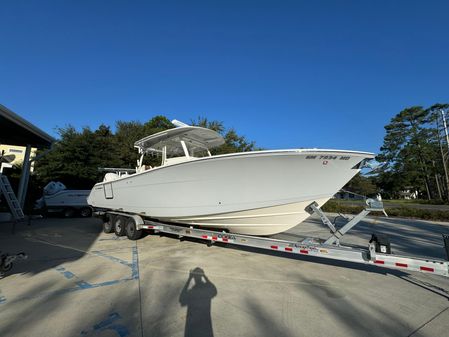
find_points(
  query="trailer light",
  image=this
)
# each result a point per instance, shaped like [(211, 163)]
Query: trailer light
[(427, 269)]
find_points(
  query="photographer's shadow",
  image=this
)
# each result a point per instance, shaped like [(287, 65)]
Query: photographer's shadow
[(198, 301)]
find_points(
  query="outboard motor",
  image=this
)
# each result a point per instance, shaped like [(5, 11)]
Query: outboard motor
[(54, 187), (51, 188)]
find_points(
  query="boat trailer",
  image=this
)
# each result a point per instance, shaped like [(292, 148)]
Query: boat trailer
[(378, 252)]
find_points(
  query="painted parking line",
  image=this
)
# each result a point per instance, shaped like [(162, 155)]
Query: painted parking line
[(112, 258), (82, 284), (68, 275), (114, 238), (110, 323)]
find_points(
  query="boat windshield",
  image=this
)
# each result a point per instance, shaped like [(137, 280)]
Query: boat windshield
[(198, 152), (175, 150), (182, 151)]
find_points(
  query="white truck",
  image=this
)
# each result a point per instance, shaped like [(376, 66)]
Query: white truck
[(58, 199)]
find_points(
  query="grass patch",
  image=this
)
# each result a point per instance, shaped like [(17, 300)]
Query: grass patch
[(416, 201), (338, 207), (402, 211), (399, 202)]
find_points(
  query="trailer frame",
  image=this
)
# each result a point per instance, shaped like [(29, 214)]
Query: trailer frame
[(327, 249)]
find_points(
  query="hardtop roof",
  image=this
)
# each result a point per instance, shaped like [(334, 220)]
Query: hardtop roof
[(193, 135)]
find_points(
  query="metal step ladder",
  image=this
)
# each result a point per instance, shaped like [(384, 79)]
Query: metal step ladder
[(11, 199)]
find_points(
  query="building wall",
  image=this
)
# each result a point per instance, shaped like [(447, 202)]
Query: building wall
[(19, 152)]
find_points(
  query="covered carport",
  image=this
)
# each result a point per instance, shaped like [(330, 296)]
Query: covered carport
[(15, 130)]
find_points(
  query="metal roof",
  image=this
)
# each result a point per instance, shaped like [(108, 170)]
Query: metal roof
[(14, 130)]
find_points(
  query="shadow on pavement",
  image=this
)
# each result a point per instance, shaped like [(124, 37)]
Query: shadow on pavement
[(198, 300), (48, 242), (352, 314), (407, 236), (322, 261)]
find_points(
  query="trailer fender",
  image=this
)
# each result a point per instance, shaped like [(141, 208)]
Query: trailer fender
[(139, 221)]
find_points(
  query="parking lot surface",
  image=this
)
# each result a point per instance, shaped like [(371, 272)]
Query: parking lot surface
[(78, 281)]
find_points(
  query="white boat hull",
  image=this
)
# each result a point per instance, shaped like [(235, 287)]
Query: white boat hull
[(254, 193), (75, 198), (261, 221)]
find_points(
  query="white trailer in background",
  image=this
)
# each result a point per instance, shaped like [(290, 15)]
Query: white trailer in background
[(378, 252), (58, 199)]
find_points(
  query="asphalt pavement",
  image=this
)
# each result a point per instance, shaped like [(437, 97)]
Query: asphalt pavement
[(79, 281)]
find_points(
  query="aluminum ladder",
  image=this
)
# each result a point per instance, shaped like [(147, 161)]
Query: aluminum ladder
[(11, 199)]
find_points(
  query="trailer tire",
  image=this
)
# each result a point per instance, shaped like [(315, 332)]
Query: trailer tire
[(131, 230), (108, 224), (120, 225), (86, 212)]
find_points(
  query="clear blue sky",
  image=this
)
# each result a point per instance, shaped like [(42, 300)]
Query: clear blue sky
[(286, 74)]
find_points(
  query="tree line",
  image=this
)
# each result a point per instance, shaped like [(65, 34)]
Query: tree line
[(413, 157), (76, 157), (415, 153)]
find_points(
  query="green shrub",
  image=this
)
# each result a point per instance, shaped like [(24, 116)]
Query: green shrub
[(334, 206), (337, 207)]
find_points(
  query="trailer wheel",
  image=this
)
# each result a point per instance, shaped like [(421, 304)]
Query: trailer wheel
[(131, 230), (108, 224), (68, 212), (86, 212), (120, 225)]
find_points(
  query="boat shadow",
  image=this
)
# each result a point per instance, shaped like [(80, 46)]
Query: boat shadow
[(318, 260), (308, 258)]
